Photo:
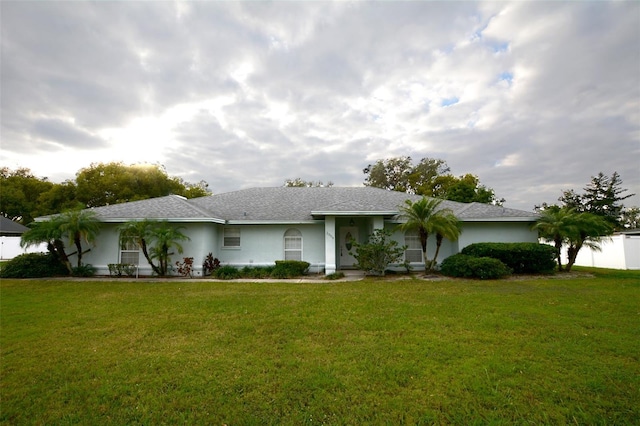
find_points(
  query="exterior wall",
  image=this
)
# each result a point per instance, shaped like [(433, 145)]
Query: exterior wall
[(496, 232), (262, 245), (618, 252), (107, 249), (10, 248)]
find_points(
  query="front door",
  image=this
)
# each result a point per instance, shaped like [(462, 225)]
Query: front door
[(348, 234)]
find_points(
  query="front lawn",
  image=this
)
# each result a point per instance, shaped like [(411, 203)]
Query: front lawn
[(532, 351)]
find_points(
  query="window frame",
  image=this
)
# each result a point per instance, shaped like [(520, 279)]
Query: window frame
[(129, 247), (412, 241), (227, 239), (296, 237)]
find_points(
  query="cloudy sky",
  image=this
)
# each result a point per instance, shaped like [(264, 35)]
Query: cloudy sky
[(531, 97)]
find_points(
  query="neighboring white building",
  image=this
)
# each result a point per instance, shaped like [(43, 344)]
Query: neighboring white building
[(620, 251), (256, 227), (10, 233)]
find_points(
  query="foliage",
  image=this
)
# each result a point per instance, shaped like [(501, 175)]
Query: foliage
[(210, 264), (226, 272), (25, 196), (430, 177), (256, 272), (33, 265), (630, 218), (75, 226), (20, 193), (103, 184), (155, 239), (121, 269), (535, 351), (601, 197), (380, 251), (185, 268), (300, 183), (522, 258), (465, 266), (84, 271), (335, 276), (290, 268), (565, 226), (425, 217), (78, 226)]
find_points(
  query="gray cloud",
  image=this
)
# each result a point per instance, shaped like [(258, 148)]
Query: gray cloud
[(531, 97)]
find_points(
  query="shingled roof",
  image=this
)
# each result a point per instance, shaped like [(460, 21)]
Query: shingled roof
[(8, 227), (284, 204)]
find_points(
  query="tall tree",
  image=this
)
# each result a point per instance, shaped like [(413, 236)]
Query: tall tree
[(422, 216), (602, 197), (430, 177), (630, 217), (20, 193), (104, 184)]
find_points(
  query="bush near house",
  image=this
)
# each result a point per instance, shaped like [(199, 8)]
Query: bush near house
[(464, 266), (290, 268), (522, 258), (33, 265)]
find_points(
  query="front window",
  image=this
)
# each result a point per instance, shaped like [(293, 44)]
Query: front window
[(130, 253), (231, 237), (293, 244), (413, 253)]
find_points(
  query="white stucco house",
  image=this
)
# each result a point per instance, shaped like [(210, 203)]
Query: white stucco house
[(256, 227)]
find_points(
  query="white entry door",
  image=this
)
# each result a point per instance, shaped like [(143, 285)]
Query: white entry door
[(348, 234)]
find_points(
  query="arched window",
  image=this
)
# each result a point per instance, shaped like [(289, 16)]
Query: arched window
[(293, 244), (413, 253)]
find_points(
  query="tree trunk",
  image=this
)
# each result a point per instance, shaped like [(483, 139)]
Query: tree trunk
[(423, 242), (145, 252), (58, 246), (78, 243), (558, 247), (435, 257), (572, 253)]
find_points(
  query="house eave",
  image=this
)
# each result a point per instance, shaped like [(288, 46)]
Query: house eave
[(353, 213), (273, 222), (163, 219)]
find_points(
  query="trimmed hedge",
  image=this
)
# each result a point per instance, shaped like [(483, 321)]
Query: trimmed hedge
[(522, 258), (464, 266), (33, 265), (290, 268)]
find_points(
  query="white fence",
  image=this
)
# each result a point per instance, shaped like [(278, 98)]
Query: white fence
[(620, 251)]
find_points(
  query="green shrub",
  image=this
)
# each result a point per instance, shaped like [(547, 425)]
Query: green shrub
[(464, 266), (290, 268), (335, 276), (84, 271), (226, 272), (522, 258), (33, 265), (121, 269), (256, 273)]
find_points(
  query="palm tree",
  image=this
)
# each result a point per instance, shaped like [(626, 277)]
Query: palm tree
[(445, 225), (155, 239), (588, 230), (555, 224), (166, 237), (421, 216), (79, 225), (139, 232), (48, 232)]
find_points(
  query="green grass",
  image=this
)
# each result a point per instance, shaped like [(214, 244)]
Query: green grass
[(538, 351)]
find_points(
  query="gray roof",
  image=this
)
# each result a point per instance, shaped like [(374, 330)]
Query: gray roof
[(283, 204), (9, 227)]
